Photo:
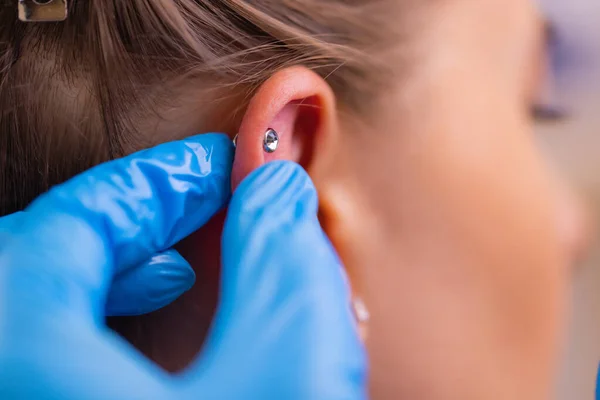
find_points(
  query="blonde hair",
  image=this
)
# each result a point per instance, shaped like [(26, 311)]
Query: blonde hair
[(67, 90)]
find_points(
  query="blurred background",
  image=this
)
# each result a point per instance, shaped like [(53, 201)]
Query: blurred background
[(575, 146)]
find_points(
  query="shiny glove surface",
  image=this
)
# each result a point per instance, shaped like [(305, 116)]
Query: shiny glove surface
[(283, 328), (142, 289)]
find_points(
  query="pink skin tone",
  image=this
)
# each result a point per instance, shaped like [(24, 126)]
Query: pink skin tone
[(450, 223)]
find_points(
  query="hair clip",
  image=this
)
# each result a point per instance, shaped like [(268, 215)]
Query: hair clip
[(42, 10)]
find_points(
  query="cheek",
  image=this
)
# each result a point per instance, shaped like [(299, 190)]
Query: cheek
[(462, 265)]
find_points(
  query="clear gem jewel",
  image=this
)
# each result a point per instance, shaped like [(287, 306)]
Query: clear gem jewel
[(271, 141)]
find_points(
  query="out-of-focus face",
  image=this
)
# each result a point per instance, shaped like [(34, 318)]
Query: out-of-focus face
[(454, 230), (457, 234), (575, 57)]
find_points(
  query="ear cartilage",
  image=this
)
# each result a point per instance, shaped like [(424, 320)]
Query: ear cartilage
[(270, 141)]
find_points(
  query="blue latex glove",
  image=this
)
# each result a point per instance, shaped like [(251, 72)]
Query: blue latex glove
[(142, 289), (283, 329), (598, 385)]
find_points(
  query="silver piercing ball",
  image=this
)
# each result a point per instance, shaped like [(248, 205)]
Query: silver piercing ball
[(270, 141)]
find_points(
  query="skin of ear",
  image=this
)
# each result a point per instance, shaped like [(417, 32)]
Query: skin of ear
[(300, 106)]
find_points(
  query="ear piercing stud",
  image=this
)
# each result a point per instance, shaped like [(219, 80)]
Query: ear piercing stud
[(361, 313), (270, 141)]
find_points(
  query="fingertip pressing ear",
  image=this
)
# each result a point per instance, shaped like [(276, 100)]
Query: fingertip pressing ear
[(300, 106)]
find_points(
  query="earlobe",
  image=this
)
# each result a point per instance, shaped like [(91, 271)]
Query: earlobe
[(300, 107)]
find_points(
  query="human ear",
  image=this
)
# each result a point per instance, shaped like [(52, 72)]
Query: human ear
[(300, 106)]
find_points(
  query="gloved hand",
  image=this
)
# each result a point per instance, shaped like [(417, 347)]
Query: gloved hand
[(283, 329), (142, 289)]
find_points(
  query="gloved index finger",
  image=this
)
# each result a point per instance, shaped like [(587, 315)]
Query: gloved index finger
[(120, 213)]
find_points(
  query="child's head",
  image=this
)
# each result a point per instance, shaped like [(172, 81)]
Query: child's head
[(412, 118)]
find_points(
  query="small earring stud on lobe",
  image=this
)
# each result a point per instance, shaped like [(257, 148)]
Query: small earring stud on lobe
[(361, 316), (361, 312)]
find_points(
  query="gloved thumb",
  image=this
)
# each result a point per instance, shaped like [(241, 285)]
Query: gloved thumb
[(284, 314), (151, 285)]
